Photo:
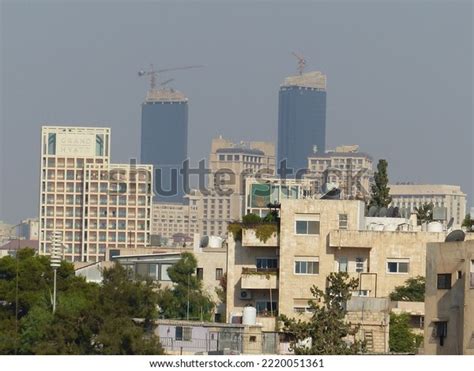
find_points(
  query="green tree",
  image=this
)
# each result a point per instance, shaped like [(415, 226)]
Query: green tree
[(380, 192), (401, 337), (327, 328), (186, 298), (412, 290), (424, 213), (468, 223), (89, 319)]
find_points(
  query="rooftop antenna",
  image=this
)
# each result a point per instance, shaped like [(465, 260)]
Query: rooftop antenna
[(301, 62), (153, 74)]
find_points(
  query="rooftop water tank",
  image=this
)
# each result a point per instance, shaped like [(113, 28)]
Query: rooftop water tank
[(249, 316), (435, 227)]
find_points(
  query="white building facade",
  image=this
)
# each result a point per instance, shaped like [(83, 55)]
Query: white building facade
[(96, 206)]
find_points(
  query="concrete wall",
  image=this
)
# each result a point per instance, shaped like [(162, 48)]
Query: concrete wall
[(455, 305)]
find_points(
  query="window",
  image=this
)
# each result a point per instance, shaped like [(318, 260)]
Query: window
[(152, 270), (267, 263), (306, 267), (471, 274), (342, 221), (178, 333), (219, 273), (221, 157), (360, 265), (397, 265), (200, 273), (307, 227), (444, 281), (99, 145), (183, 333), (266, 307), (164, 272), (51, 144), (440, 331), (342, 264)]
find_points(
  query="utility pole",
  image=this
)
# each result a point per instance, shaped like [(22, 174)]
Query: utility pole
[(56, 245), (16, 287), (187, 306)]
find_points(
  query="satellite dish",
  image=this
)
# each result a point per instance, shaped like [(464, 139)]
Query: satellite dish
[(455, 236), (333, 194), (373, 211), (390, 212), (396, 212), (383, 212), (450, 223)]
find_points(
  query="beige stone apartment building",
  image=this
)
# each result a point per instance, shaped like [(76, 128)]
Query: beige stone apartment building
[(96, 205), (449, 197), (449, 301), (318, 237)]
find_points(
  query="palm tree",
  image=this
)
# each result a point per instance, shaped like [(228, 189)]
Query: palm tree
[(424, 213)]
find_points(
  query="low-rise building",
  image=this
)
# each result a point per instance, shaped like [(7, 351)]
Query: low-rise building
[(449, 301), (196, 337)]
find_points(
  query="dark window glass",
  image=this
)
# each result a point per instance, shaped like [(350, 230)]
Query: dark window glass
[(444, 281)]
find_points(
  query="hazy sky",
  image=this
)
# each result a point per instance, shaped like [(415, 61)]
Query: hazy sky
[(399, 78)]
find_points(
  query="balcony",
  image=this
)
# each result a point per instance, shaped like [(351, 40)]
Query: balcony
[(253, 278), (354, 239), (250, 239)]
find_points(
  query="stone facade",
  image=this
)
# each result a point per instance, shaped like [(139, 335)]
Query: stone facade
[(318, 237), (449, 301)]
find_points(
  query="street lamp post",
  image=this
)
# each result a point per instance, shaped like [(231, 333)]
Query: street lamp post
[(56, 245)]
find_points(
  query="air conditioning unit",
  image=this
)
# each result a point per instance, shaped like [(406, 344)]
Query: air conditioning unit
[(245, 295)]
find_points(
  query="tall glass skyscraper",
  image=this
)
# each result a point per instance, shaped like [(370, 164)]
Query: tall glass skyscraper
[(301, 118), (164, 140)]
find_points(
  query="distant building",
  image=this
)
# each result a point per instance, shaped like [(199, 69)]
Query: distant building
[(96, 205), (164, 139), (28, 229), (448, 197), (301, 119), (260, 193), (230, 164), (345, 168), (12, 246), (449, 300), (172, 219), (7, 232)]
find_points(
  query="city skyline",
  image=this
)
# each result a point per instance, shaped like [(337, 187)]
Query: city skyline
[(368, 101)]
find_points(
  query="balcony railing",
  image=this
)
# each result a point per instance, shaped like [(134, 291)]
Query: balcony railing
[(257, 278)]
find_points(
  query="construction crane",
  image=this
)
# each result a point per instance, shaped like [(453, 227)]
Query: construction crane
[(154, 74), (301, 62)]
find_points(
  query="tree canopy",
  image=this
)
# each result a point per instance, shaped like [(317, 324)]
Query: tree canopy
[(424, 213), (326, 332), (89, 318), (468, 223), (186, 298), (412, 290), (380, 192), (401, 337)]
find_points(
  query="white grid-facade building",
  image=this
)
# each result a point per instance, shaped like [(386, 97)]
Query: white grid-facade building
[(95, 205)]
